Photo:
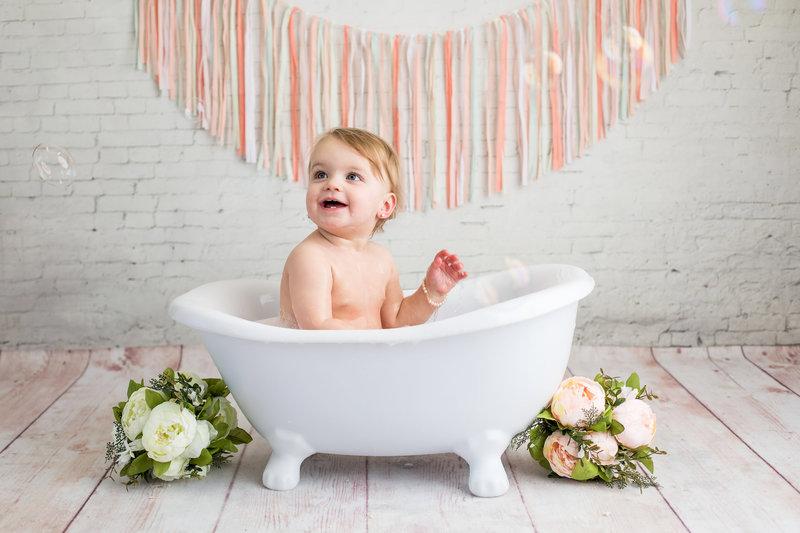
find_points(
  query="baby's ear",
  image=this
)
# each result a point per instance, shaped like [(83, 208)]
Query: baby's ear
[(388, 205)]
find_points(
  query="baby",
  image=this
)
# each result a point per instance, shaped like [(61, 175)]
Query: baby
[(337, 278)]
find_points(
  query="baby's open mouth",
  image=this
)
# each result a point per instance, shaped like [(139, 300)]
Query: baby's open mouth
[(333, 204)]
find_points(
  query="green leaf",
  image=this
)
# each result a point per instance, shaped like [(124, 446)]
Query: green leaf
[(633, 381), (213, 409), (616, 427), (603, 474), (239, 436), (159, 468), (133, 387), (536, 446), (124, 471), (643, 451), (584, 470), (225, 445), (118, 412), (140, 464), (647, 462), (546, 414), (203, 460), (153, 398), (217, 387), (169, 374), (600, 426), (222, 429)]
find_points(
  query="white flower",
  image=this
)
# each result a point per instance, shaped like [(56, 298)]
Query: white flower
[(135, 413), (169, 430), (176, 470), (202, 438)]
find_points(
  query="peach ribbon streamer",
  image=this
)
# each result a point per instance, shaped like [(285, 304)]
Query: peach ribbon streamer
[(345, 75), (448, 99), (610, 55), (294, 96)]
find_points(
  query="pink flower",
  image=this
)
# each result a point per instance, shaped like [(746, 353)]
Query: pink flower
[(574, 398), (561, 452), (639, 421), (608, 447)]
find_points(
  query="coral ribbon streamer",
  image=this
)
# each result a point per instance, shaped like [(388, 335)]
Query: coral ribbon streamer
[(576, 67)]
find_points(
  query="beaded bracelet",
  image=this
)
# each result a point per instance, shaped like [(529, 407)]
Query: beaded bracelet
[(436, 305)]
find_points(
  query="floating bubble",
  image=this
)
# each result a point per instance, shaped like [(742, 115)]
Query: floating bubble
[(730, 10), (543, 69), (486, 293), (54, 165), (618, 46), (519, 273)]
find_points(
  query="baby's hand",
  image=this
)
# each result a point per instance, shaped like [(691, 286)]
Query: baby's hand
[(443, 274)]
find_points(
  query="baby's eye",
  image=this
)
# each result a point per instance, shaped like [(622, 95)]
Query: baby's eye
[(320, 175), (353, 177)]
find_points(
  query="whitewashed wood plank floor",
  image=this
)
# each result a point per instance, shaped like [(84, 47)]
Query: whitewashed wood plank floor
[(728, 417)]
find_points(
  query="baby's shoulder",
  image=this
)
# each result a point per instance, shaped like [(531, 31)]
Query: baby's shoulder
[(379, 252), (306, 250), (379, 255)]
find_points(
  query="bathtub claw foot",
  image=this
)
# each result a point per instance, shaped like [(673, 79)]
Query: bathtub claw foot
[(483, 453), (289, 450), (487, 478)]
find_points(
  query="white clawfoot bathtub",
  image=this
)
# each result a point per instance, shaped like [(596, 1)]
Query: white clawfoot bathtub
[(464, 382)]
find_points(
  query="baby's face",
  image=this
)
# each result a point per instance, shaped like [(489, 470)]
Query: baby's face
[(345, 196)]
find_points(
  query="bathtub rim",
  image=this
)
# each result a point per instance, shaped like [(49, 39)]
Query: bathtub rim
[(190, 310)]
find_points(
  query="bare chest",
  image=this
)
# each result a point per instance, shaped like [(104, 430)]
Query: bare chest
[(359, 287)]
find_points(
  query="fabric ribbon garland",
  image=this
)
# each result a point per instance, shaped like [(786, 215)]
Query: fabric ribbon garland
[(551, 78)]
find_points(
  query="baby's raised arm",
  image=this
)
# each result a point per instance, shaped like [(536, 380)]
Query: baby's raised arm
[(443, 274)]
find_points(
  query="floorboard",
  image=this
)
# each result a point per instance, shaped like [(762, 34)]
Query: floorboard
[(780, 362), (760, 411), (712, 477), (727, 417), (32, 381), (440, 499), (50, 470)]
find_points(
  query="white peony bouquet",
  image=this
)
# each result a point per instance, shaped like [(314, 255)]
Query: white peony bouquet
[(596, 429), (176, 428)]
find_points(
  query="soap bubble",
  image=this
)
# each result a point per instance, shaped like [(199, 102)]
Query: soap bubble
[(519, 272), (54, 165), (730, 10), (619, 46), (486, 293), (543, 69), (617, 43)]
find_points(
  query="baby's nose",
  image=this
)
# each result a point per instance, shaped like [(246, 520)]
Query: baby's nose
[(334, 183)]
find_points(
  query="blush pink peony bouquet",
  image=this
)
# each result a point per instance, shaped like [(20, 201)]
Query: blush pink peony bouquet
[(176, 428), (596, 429)]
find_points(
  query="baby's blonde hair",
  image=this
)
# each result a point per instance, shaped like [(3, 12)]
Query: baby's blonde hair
[(381, 157)]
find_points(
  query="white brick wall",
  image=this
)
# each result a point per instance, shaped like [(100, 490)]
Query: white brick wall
[(687, 215)]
